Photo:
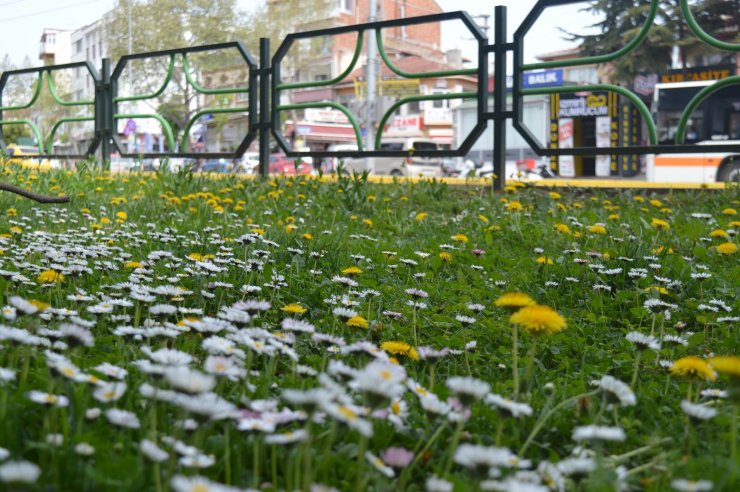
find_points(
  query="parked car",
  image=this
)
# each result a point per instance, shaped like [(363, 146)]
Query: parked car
[(120, 164), (282, 164), (410, 166), (249, 163), (216, 166), (26, 155), (330, 164)]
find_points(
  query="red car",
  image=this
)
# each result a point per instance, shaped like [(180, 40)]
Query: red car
[(282, 164)]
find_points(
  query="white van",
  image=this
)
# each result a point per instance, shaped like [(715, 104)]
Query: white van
[(409, 166)]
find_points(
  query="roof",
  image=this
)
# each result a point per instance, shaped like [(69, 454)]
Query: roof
[(559, 55), (412, 64)]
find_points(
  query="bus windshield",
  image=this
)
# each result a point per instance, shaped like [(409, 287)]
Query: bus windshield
[(717, 117)]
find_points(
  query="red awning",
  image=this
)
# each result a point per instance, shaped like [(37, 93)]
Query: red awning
[(322, 132)]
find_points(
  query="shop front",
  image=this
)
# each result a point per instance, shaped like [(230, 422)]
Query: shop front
[(590, 119)]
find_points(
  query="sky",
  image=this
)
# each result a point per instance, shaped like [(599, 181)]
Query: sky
[(23, 21)]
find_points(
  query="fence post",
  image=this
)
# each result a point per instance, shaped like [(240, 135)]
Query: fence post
[(499, 98), (104, 113), (264, 106)]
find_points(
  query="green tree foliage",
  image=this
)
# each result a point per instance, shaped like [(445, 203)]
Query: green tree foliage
[(622, 20)]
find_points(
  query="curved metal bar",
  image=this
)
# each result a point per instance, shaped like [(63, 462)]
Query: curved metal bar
[(167, 79), (203, 90), (587, 60), (30, 123), (200, 113), (338, 107), (641, 107), (697, 100), (165, 125), (338, 78), (50, 138), (33, 99), (701, 33), (408, 99), (60, 101), (410, 75)]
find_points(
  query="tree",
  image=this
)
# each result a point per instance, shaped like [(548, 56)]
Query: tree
[(166, 24), (624, 19)]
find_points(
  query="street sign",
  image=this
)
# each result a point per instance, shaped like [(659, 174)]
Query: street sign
[(129, 128)]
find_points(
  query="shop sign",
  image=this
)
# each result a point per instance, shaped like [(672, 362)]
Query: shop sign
[(407, 123), (565, 141), (321, 115), (583, 106), (645, 84), (698, 74), (544, 78)]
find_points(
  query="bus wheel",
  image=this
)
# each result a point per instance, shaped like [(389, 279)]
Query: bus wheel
[(730, 170)]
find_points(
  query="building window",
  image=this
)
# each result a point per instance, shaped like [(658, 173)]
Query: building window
[(402, 15), (347, 6), (78, 46)]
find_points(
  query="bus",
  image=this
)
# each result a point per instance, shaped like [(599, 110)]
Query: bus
[(715, 121)]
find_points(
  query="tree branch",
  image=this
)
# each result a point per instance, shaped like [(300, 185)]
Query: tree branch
[(32, 195)]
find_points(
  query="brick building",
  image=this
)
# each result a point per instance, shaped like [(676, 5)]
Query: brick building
[(415, 49)]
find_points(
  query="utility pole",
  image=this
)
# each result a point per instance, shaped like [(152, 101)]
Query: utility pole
[(371, 75)]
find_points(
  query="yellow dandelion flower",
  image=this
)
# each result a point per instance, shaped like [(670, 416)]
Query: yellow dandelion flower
[(597, 229), (400, 348), (367, 222), (196, 256), (11, 212), (727, 249), (555, 195), (357, 322), (660, 224), (514, 300), (105, 220), (293, 308), (308, 236), (656, 288), (562, 228), (539, 320), (718, 233), (544, 260), (693, 367), (735, 223), (729, 211), (40, 305), (353, 270), (483, 219), (726, 364), (613, 217), (16, 230), (445, 256), (639, 199), (514, 206), (371, 198), (290, 228), (460, 238), (656, 203), (133, 264), (50, 277)]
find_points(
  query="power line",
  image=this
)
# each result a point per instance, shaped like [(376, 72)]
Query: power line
[(47, 11), (10, 3)]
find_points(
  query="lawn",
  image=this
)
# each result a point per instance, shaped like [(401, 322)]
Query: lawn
[(175, 332)]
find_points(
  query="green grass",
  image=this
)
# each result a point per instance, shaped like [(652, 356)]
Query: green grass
[(316, 229)]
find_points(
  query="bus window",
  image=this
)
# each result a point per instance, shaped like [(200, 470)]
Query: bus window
[(734, 126)]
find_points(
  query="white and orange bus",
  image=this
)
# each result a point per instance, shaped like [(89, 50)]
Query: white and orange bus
[(715, 121)]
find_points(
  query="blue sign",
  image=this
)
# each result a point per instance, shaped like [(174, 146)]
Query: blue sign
[(542, 78)]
